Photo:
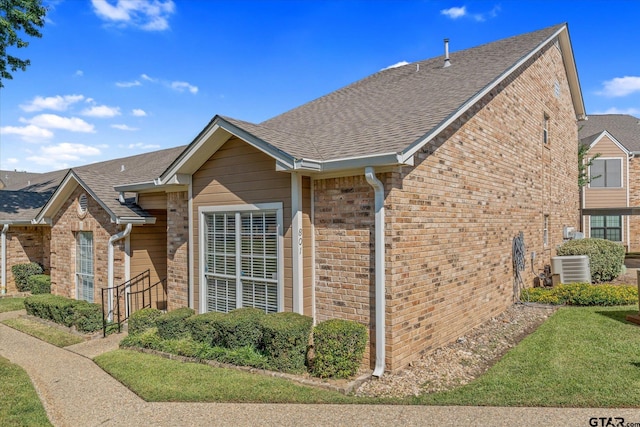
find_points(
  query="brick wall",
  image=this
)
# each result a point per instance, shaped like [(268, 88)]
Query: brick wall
[(26, 244), (634, 201), (177, 250), (451, 219), (66, 223)]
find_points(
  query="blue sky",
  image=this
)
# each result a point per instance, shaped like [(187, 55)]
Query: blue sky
[(114, 78)]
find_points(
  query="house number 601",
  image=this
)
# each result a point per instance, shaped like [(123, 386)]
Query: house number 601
[(300, 241)]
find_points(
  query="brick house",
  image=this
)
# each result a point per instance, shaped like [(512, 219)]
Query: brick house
[(393, 201), (611, 201)]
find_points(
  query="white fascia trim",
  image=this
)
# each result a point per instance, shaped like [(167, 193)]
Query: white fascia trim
[(613, 139), (421, 142), (19, 222), (135, 220), (347, 163), (280, 156), (140, 186)]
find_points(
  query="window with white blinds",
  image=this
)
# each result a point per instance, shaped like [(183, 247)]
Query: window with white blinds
[(241, 250), (84, 266)]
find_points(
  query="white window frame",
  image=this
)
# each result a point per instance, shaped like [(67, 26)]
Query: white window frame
[(622, 171), (80, 276), (202, 242)]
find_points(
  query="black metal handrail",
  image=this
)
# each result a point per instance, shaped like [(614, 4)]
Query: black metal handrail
[(144, 298), (118, 293)]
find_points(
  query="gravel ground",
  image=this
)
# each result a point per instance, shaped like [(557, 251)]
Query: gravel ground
[(463, 360)]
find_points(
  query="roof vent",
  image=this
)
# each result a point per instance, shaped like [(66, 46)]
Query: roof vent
[(83, 205), (447, 63), (121, 168)]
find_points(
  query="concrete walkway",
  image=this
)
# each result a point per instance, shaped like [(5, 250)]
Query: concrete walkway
[(76, 392)]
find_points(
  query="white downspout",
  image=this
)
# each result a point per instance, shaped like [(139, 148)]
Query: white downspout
[(374, 182), (5, 228), (110, 262)]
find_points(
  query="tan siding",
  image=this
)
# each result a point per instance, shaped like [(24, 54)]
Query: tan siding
[(607, 197), (149, 248), (152, 201), (240, 174)]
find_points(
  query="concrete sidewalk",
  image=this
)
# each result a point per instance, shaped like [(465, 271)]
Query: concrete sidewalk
[(77, 393)]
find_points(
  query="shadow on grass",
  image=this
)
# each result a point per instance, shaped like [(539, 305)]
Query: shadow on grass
[(618, 315)]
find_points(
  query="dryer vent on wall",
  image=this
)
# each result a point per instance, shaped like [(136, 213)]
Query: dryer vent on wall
[(572, 268)]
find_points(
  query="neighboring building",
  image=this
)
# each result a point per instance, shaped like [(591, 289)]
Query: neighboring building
[(393, 201), (611, 201)]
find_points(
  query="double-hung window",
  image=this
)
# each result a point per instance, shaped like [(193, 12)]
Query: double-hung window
[(607, 227), (606, 173), (84, 266), (241, 257)]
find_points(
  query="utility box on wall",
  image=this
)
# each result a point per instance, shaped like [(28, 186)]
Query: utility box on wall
[(571, 268)]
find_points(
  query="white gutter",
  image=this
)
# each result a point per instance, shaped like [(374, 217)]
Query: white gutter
[(110, 274), (374, 182), (5, 228)]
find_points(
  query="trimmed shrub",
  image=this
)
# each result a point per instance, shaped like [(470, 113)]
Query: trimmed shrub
[(87, 317), (173, 325), (339, 345), (240, 328), (147, 338), (51, 307), (285, 338), (39, 284), (204, 328), (606, 258), (583, 294), (22, 272), (143, 319)]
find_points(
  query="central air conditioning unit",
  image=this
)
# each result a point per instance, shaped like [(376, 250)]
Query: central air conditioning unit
[(571, 268), (568, 232)]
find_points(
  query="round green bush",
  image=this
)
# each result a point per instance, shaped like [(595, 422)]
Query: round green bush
[(606, 258), (143, 319), (339, 346), (39, 284)]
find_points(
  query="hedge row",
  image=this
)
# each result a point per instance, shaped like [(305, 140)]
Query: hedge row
[(248, 336), (86, 317), (583, 294)]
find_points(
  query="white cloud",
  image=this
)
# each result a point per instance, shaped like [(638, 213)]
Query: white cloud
[(53, 121), (614, 110), (143, 146), (620, 86), (12, 161), (29, 133), (123, 127), (181, 86), (128, 84), (102, 111), (461, 12), (148, 15), (139, 112), (396, 65), (79, 73), (454, 12), (58, 156), (56, 103), (146, 77)]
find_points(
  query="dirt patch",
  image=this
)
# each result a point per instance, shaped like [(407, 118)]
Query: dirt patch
[(467, 358)]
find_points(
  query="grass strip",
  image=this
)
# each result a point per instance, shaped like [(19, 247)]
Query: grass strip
[(580, 357), (11, 304), (44, 332), (156, 379), (19, 402)]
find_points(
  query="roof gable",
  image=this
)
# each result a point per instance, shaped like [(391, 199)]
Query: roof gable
[(624, 128), (385, 118)]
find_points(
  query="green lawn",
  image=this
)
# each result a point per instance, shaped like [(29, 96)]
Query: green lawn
[(581, 357), (11, 304), (44, 332), (19, 402), (157, 379)]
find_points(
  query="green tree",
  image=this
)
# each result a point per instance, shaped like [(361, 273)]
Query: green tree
[(583, 166), (18, 18)]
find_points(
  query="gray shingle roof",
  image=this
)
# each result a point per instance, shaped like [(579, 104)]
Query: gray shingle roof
[(22, 201), (391, 109), (8, 178), (623, 127)]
